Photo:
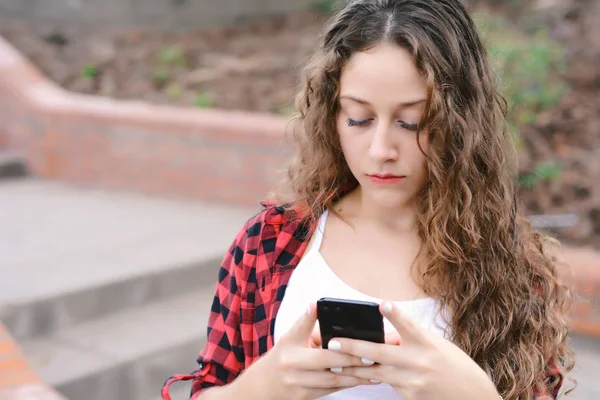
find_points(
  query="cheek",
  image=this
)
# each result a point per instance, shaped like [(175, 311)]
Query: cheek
[(350, 150)]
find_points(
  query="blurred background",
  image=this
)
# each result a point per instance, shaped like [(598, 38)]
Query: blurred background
[(136, 137)]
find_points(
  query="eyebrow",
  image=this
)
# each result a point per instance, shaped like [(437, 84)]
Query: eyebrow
[(402, 104)]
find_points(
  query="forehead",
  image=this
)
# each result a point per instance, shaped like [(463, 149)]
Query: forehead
[(384, 74)]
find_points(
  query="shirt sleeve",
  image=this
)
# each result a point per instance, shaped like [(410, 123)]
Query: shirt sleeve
[(222, 358)]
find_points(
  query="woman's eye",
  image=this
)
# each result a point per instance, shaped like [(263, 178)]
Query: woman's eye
[(352, 122), (410, 127), (365, 122)]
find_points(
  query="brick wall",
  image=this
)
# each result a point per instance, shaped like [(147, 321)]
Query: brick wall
[(583, 277), (3, 139), (204, 154)]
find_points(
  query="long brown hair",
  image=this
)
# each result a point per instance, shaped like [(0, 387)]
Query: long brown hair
[(490, 268)]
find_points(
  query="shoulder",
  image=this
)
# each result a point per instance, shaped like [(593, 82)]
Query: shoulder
[(253, 229), (266, 240), (270, 230), (281, 217)]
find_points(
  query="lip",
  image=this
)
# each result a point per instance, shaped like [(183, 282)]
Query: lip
[(386, 179)]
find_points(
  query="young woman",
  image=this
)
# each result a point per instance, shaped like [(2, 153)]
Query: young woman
[(403, 192)]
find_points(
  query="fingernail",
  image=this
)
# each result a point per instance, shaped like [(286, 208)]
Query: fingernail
[(308, 309), (387, 307), (336, 369), (375, 381), (334, 345), (367, 361)]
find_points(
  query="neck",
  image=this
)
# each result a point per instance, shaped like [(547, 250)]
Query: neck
[(357, 205)]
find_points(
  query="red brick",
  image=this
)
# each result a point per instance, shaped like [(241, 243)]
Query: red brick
[(7, 346), (14, 368), (193, 145), (581, 309), (13, 364), (54, 164), (17, 378), (586, 328)]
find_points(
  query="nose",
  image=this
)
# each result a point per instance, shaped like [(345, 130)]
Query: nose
[(382, 148)]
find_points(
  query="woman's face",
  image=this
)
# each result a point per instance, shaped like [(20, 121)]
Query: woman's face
[(382, 98)]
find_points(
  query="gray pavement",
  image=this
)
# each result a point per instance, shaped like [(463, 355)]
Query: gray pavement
[(108, 293), (587, 367), (56, 238)]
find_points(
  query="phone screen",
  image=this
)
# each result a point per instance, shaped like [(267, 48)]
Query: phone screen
[(349, 319)]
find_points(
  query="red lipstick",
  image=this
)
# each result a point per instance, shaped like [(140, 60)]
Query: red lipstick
[(385, 179)]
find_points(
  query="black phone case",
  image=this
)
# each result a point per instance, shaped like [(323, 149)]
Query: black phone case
[(349, 319)]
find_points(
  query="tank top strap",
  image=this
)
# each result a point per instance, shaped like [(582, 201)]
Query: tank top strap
[(320, 231)]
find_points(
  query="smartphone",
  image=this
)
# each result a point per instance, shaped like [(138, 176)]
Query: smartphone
[(349, 319)]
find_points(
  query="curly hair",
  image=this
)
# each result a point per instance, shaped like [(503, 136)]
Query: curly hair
[(485, 263)]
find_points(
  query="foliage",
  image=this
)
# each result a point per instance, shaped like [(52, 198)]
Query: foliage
[(171, 56), (284, 109), (326, 6), (168, 58), (203, 99), (89, 71), (174, 90), (546, 171), (510, 4), (528, 66), (161, 75)]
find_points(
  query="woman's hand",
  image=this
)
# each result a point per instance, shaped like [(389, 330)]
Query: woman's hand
[(296, 369), (423, 366)]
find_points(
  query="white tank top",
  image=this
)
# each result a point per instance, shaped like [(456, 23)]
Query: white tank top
[(313, 278)]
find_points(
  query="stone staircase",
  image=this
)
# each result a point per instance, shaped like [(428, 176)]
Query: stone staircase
[(108, 294)]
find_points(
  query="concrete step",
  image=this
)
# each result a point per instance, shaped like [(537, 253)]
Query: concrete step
[(587, 351), (69, 254), (180, 391), (125, 356), (128, 356), (13, 165)]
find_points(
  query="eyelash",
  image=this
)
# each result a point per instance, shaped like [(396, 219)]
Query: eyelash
[(364, 122)]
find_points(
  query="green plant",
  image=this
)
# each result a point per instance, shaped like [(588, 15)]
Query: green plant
[(174, 90), (203, 99), (284, 109), (510, 4), (326, 6), (171, 56), (528, 66), (528, 180), (89, 71), (517, 4), (543, 172), (161, 75)]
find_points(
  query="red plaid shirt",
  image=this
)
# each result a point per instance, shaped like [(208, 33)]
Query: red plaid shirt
[(251, 285)]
